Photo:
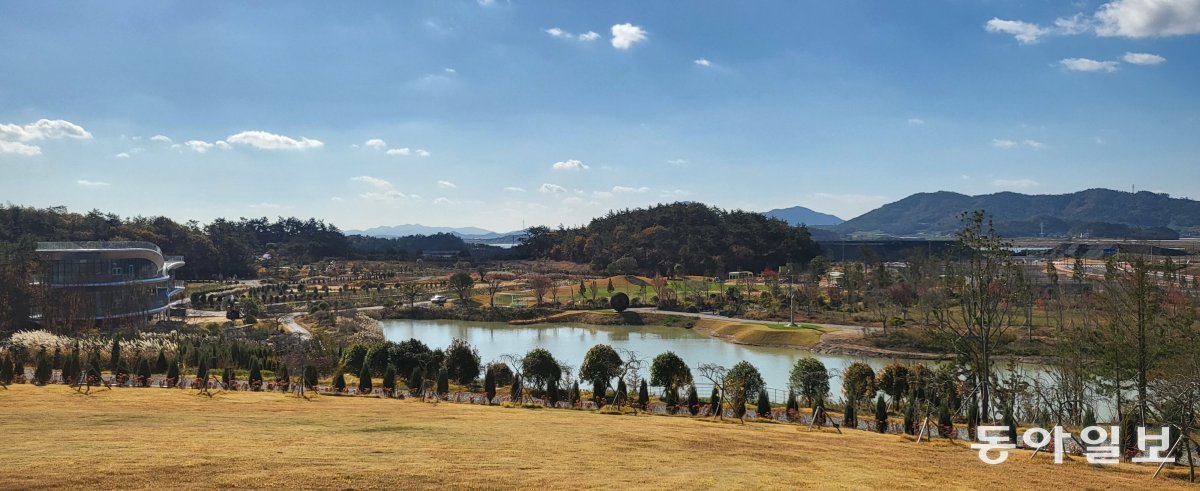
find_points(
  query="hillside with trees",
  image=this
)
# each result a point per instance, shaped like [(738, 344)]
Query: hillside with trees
[(1095, 212), (223, 248), (689, 238)]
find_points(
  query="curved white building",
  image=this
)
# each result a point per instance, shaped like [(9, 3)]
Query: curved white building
[(111, 279)]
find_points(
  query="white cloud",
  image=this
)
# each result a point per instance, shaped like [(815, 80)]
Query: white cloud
[(628, 189), (449, 70), (1098, 140), (486, 3), (122, 155), (1015, 183), (270, 141), (514, 189), (91, 184), (677, 161), (561, 34), (18, 148), (552, 188), (1148, 18), (702, 62), (223, 145), (399, 151), (916, 121), (422, 153), (1088, 65), (375, 143), (43, 129), (446, 185), (1075, 24), (626, 35), (198, 146), (442, 201), (382, 190), (336, 198), (569, 165), (1026, 33), (602, 194), (1143, 58), (1008, 144), (160, 138)]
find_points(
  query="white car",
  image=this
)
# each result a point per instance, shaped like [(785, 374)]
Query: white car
[(438, 300)]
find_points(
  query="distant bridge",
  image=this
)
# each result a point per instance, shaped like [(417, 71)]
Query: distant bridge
[(504, 240)]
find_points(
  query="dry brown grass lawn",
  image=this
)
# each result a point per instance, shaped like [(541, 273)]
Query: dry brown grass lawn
[(160, 438), (759, 334)]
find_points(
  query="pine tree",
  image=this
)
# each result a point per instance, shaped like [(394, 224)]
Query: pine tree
[(910, 416), (622, 392), (227, 378), (160, 365), (443, 382), (945, 423), (764, 404), (414, 380), (598, 391), (693, 401), (671, 398), (72, 366), (714, 401), (552, 392), (42, 368), (114, 355), (850, 416), (173, 373), (643, 395), (339, 381), (256, 378), (881, 415), (1011, 424), (364, 378), (575, 393), (144, 372), (489, 384), (283, 379), (389, 378), (202, 371), (18, 368), (793, 406), (514, 393), (6, 370), (311, 377)]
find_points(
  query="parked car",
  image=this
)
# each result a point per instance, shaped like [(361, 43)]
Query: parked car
[(438, 300)]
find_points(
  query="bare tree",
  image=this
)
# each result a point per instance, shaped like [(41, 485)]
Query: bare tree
[(540, 284), (411, 290), (716, 375), (981, 283)]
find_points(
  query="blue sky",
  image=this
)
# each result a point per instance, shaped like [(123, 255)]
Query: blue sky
[(497, 114)]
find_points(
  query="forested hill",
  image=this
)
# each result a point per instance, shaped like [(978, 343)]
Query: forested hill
[(699, 238), (223, 248), (1099, 212)]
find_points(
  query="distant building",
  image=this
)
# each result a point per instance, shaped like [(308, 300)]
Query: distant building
[(108, 280)]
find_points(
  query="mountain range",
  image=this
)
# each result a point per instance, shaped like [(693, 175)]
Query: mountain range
[(418, 229), (799, 215), (1098, 212)]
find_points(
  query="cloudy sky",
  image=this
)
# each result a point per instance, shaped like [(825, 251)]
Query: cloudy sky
[(498, 113)]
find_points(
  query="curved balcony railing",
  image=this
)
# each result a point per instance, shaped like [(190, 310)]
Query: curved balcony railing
[(98, 246)]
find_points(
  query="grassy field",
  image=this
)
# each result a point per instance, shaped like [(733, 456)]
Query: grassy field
[(156, 438), (803, 335)]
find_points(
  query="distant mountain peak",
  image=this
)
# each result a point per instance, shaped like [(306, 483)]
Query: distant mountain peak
[(418, 229), (798, 215)]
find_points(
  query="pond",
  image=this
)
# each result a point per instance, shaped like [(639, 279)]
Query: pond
[(570, 342)]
